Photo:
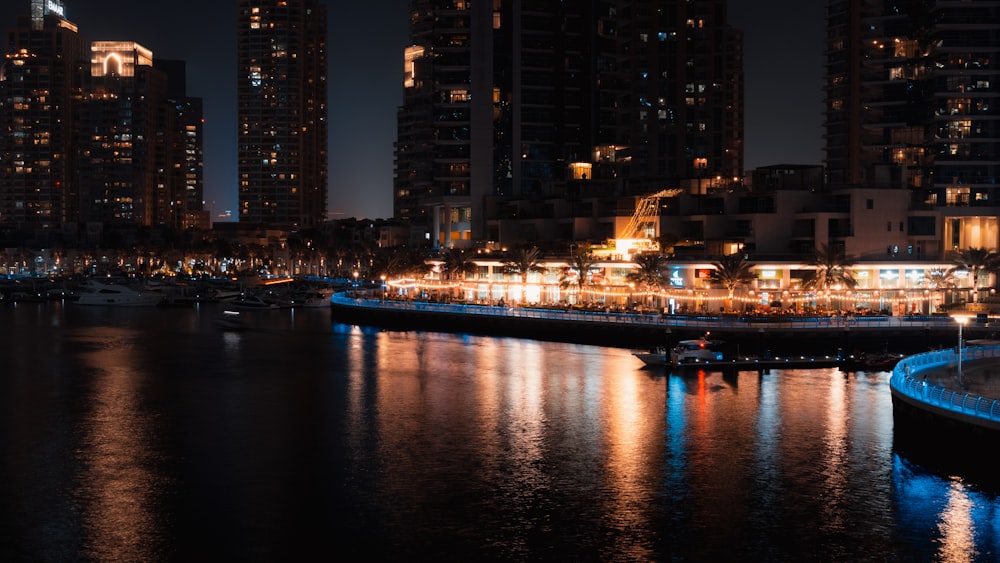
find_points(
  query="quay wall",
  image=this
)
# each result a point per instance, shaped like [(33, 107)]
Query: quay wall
[(814, 336)]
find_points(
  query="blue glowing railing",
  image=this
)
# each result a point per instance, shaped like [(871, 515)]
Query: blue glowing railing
[(907, 380)]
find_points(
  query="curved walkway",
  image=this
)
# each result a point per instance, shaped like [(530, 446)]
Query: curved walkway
[(934, 383)]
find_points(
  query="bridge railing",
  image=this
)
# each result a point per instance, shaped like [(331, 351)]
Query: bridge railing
[(909, 378)]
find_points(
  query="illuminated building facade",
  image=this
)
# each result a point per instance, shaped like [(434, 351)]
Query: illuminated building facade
[(282, 113), (94, 132), (140, 140), (509, 103), (118, 123), (42, 73), (911, 103)]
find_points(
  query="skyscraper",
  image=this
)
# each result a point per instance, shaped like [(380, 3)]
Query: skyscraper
[(94, 132), (122, 136), (282, 113), (911, 103), (517, 100), (43, 72)]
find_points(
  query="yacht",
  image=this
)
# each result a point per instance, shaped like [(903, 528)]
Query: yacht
[(93, 292)]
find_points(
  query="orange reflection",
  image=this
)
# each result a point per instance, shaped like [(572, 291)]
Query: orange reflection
[(957, 527), (116, 487)]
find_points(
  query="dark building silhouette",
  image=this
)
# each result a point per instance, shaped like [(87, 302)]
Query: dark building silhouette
[(516, 112), (282, 113)]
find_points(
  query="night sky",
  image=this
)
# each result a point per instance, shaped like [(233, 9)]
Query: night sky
[(783, 47)]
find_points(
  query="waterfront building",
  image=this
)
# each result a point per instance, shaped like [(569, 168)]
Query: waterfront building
[(527, 121), (911, 93), (282, 112), (686, 285)]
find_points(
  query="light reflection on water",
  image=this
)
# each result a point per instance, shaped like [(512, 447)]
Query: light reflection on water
[(118, 482), (152, 436)]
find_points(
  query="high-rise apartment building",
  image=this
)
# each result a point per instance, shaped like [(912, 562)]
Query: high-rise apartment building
[(45, 64), (911, 103), (94, 132), (282, 113), (517, 100), (121, 122)]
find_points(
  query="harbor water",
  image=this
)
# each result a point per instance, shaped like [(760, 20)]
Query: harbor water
[(154, 434)]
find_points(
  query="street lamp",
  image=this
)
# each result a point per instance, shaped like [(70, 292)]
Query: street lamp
[(383, 288), (961, 320)]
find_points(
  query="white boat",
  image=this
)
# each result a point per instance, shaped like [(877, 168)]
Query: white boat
[(686, 352), (696, 351), (93, 292), (656, 357), (251, 302), (230, 320)]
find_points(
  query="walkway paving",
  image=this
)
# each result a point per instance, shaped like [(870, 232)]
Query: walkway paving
[(979, 377)]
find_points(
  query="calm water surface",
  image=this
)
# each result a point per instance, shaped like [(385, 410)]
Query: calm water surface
[(151, 435)]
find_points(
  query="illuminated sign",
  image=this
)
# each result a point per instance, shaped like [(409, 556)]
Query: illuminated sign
[(703, 273), (54, 7), (768, 274), (889, 274), (675, 278), (861, 274), (915, 275)]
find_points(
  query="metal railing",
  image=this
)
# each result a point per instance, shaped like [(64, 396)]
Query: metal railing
[(908, 378)]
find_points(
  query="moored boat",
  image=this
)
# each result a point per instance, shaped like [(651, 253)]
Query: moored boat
[(695, 351), (92, 292), (230, 320)]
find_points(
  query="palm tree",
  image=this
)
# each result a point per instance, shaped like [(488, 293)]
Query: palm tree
[(648, 272), (732, 271), (581, 264), (832, 269), (975, 261), (524, 260), (458, 262)]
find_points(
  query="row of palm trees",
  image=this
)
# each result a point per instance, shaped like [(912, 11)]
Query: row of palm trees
[(831, 269), (311, 253)]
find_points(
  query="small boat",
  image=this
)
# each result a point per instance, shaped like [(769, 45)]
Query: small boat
[(93, 292), (696, 351), (250, 302), (883, 361), (701, 350), (659, 356), (230, 320), (310, 299)]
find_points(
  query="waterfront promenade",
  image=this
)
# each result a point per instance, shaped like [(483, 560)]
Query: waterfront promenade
[(938, 386), (754, 335)]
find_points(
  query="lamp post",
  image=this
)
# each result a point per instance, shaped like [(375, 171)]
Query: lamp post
[(383, 288), (961, 320)]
